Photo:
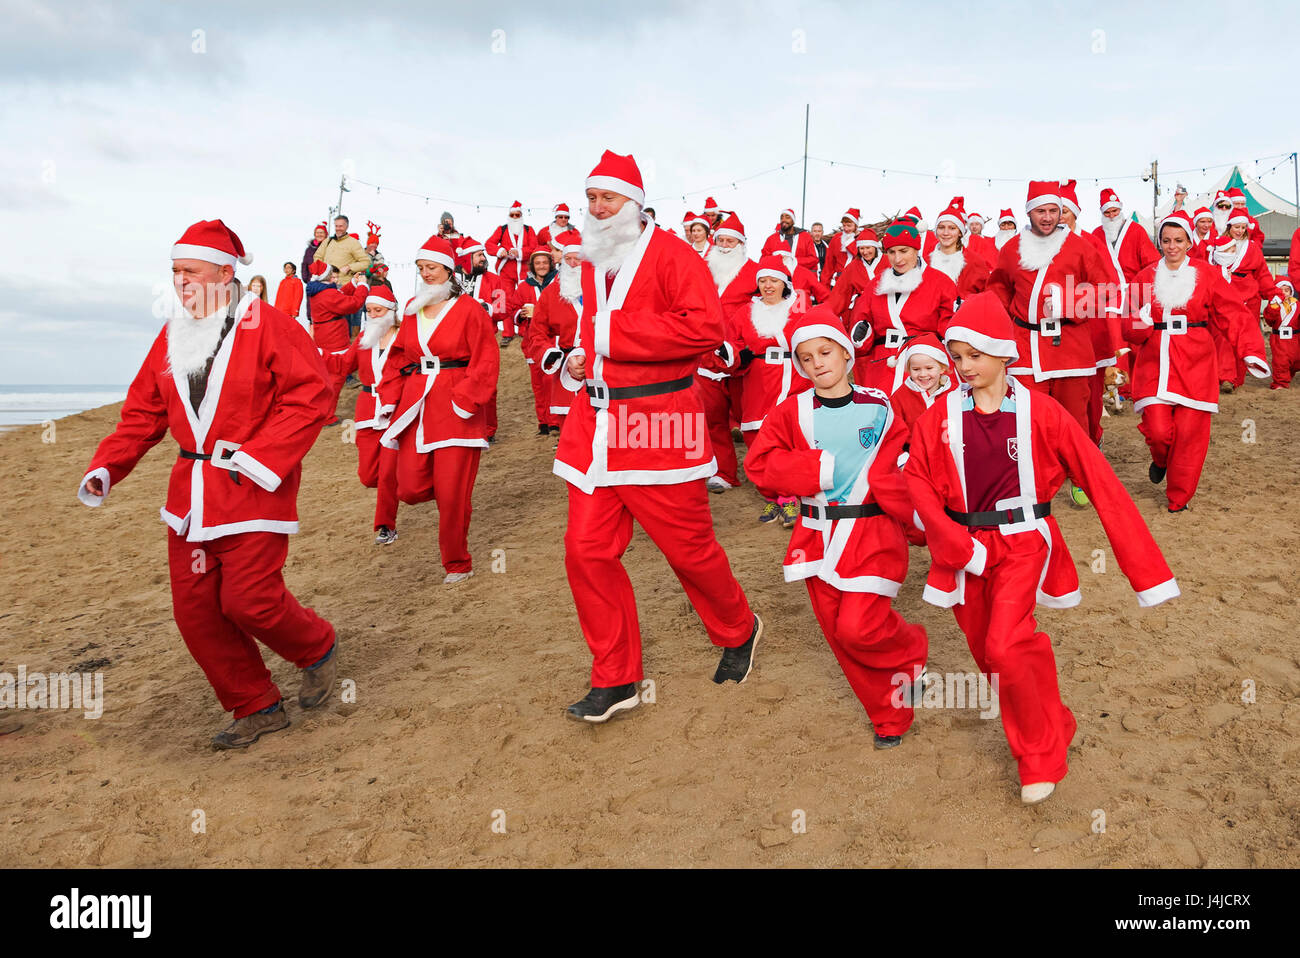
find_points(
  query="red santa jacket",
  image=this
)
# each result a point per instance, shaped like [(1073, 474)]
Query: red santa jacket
[(527, 293), (853, 554), (856, 278), (1293, 261), (330, 309), (806, 282), (1174, 361), (447, 407), (502, 242), (268, 395), (370, 365), (646, 328), (740, 290), (1249, 276), (493, 292), (1049, 445), (890, 318), (799, 242), (550, 339), (841, 249), (1052, 300), (1132, 251), (770, 377), (910, 400), (288, 296), (1281, 318), (966, 268)]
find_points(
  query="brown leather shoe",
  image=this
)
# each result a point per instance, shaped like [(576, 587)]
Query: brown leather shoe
[(243, 732), (318, 679)]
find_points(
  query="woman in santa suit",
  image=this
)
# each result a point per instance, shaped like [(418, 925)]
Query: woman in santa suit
[(541, 271), (1174, 307), (1241, 262), (368, 357), (763, 358), (967, 269), (554, 325), (436, 385), (907, 300)]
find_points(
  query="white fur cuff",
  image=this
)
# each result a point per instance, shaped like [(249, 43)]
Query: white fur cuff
[(84, 494)]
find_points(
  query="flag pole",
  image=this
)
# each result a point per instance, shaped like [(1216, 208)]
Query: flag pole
[(803, 206)]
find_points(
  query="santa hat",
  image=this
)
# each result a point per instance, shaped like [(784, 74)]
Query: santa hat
[(1237, 197), (1006, 216), (1225, 241), (320, 226), (468, 246), (1283, 281), (1109, 200), (983, 322), (972, 217), (1222, 197), (516, 205), (954, 214), (817, 322), (868, 238), (1069, 197), (787, 212), (702, 220), (562, 209), (711, 206), (1181, 219), (381, 296), (570, 241), (619, 174), (852, 213), (688, 218), (1239, 215), (901, 233), (1042, 193), (211, 241), (732, 227), (437, 250), (318, 269), (774, 266), (913, 214), (541, 251), (372, 237), (926, 344), (1202, 213)]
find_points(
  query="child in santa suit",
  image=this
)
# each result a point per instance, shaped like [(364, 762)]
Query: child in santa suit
[(541, 273), (435, 389), (1241, 263), (330, 309), (983, 467), (554, 325), (1281, 318), (1175, 310), (762, 356), (837, 447), (368, 356), (243, 392), (927, 380)]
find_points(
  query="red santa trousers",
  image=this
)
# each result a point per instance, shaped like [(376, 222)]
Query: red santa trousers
[(377, 469), (445, 475), (1072, 392), (1179, 438), (1286, 360), (228, 594), (1096, 390), (1231, 367), (997, 618), (715, 396), (541, 384), (736, 385), (874, 645), (677, 519)]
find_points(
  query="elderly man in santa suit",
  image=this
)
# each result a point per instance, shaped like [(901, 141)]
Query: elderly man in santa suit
[(244, 394), (1007, 230), (794, 239), (977, 241), (635, 445), (1053, 283), (560, 218), (511, 243), (842, 247)]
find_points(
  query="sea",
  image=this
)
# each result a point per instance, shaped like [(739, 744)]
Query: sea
[(24, 405)]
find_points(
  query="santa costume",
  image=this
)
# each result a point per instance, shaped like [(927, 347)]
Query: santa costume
[(244, 394), (493, 293), (1007, 231), (1124, 242), (554, 325), (649, 311), (798, 241), (436, 386), (1281, 318), (839, 455), (1202, 244), (561, 222), (858, 276), (331, 312), (910, 400), (523, 305), (982, 485), (511, 244), (842, 247), (762, 351), (1175, 388), (897, 306), (964, 266), (1241, 262)]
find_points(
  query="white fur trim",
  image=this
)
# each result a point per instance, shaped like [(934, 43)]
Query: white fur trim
[(774, 274), (1174, 288), (1043, 200), (1002, 348), (1158, 593), (460, 412), (1037, 251), (435, 256), (826, 475), (208, 255), (250, 467), (1257, 367), (890, 282), (84, 494), (979, 557), (622, 187), (567, 381)]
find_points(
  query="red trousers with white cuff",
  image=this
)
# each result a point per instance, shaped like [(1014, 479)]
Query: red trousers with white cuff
[(377, 469), (715, 396), (445, 475), (678, 521), (227, 595), (1286, 360), (874, 645), (997, 618), (1096, 392), (1179, 438), (541, 384)]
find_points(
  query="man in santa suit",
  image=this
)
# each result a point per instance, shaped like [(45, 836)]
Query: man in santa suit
[(977, 241), (491, 292), (523, 302), (1126, 243), (1206, 234), (841, 248), (553, 327), (1007, 230), (244, 394), (792, 238), (1039, 277), (734, 273), (649, 312), (331, 312), (511, 243), (1238, 199), (559, 224), (714, 213), (1222, 209)]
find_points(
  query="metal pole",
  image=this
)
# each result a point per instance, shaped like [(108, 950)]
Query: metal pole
[(1155, 198), (342, 188), (1296, 168), (803, 205)]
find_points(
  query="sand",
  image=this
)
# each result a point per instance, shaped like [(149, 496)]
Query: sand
[(455, 751)]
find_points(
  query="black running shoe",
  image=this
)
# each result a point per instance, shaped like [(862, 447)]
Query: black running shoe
[(1156, 473), (886, 741), (737, 663), (601, 704), (543, 430), (386, 536)]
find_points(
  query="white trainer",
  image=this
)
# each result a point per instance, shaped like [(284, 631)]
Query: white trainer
[(457, 577), (1036, 792)]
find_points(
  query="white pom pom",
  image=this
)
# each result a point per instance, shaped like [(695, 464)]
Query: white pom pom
[(891, 362)]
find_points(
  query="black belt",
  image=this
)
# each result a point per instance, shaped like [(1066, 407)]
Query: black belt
[(1185, 325), (1035, 327), (414, 367), (204, 456), (367, 389), (635, 392), (842, 512), (322, 322), (998, 516)]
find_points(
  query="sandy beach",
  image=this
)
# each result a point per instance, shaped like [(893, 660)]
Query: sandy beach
[(457, 722)]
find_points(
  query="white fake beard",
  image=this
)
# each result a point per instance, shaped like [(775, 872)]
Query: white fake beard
[(1002, 238), (1037, 251), (570, 283), (1112, 227), (950, 264), (726, 264), (1175, 287), (429, 293), (376, 328), (767, 320), (190, 342), (606, 243), (890, 282), (516, 229), (1221, 219), (1224, 255)]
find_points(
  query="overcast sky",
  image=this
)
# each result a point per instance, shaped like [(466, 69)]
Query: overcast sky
[(126, 122)]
